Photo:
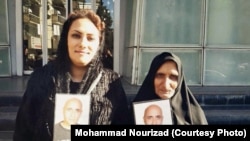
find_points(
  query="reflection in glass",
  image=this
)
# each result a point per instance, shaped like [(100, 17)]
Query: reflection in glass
[(32, 45), (228, 22), (32, 32), (223, 68), (105, 9), (171, 22)]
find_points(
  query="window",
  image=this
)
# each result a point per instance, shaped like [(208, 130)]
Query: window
[(210, 37), (5, 66), (4, 23), (227, 50)]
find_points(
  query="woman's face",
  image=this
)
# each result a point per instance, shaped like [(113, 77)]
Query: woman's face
[(83, 42), (166, 80)]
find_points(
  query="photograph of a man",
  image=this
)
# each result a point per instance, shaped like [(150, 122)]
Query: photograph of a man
[(153, 115), (72, 111), (152, 112), (69, 110)]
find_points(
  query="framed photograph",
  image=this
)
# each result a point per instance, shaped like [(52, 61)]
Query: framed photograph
[(70, 110), (153, 112)]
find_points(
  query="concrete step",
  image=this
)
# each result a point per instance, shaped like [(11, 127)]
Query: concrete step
[(7, 117), (10, 99), (6, 135), (216, 115), (9, 104), (228, 117)]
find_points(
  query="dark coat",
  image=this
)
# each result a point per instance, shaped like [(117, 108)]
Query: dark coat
[(35, 117), (185, 108)]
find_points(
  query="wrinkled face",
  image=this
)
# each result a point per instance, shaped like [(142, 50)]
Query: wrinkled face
[(83, 42), (153, 115), (166, 80), (72, 111)]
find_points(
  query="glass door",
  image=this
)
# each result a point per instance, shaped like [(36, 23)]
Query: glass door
[(42, 23), (32, 41), (57, 13), (5, 63)]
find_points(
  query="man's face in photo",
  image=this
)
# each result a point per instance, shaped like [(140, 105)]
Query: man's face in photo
[(153, 115), (72, 111)]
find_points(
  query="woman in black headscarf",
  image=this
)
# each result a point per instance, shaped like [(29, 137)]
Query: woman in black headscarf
[(77, 70), (165, 80)]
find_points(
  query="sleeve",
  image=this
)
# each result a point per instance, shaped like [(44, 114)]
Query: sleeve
[(27, 122), (122, 115), (23, 126)]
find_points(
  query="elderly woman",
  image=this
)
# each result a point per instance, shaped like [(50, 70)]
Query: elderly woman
[(165, 80)]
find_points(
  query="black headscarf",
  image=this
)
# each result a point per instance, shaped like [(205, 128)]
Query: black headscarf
[(185, 108)]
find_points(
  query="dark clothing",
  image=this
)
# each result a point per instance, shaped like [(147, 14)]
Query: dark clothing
[(185, 108), (35, 118)]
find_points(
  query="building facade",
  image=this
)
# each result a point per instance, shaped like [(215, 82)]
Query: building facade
[(210, 36)]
